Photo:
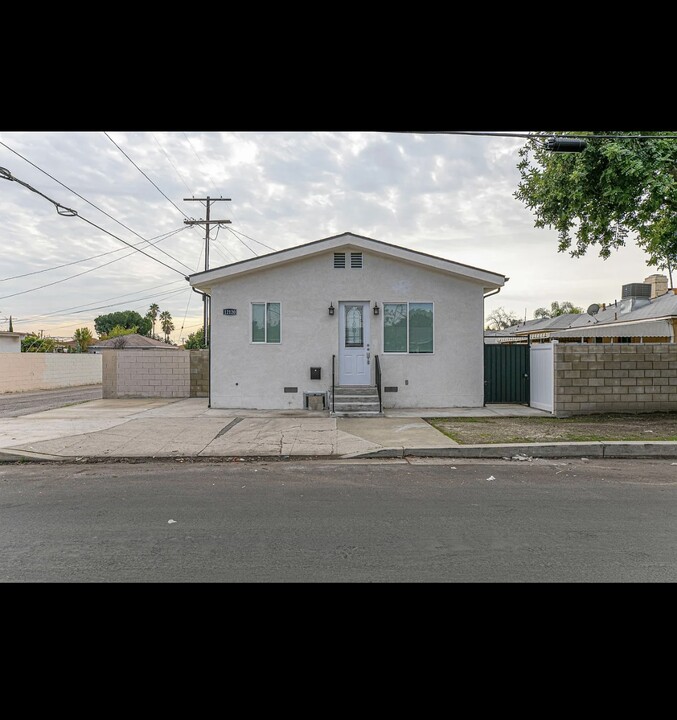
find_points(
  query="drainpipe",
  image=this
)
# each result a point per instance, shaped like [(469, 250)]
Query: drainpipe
[(209, 349)]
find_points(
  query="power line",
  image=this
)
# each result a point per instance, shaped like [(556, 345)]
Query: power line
[(536, 136), (171, 163), (89, 202), (144, 174), (162, 237), (245, 244), (69, 212), (85, 306), (253, 240)]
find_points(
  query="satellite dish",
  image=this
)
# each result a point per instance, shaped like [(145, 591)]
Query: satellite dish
[(593, 309)]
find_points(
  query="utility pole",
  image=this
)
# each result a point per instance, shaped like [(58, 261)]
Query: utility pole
[(207, 223)]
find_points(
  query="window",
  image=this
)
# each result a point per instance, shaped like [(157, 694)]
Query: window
[(356, 260), (408, 327), (265, 322), (339, 260)]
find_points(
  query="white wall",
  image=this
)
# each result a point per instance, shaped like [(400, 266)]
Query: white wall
[(10, 343), (246, 375), (22, 372)]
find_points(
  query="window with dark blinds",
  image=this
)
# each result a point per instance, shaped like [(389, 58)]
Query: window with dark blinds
[(339, 260), (356, 260)]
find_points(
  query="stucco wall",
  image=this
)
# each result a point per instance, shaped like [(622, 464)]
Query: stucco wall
[(615, 377), (23, 372), (10, 343), (247, 375), (146, 373)]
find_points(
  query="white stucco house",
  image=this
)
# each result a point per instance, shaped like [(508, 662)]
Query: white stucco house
[(320, 320)]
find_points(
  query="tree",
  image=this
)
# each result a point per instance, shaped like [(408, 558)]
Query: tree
[(599, 196), (500, 319), (11, 327), (119, 331), (166, 324), (196, 340), (153, 311), (35, 343), (84, 338), (126, 319), (557, 309)]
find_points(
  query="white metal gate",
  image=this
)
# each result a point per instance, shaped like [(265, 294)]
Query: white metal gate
[(542, 376)]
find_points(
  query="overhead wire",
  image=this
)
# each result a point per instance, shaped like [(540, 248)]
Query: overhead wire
[(171, 163), (163, 236), (253, 239), (146, 176), (84, 307), (7, 175), (89, 202), (150, 181)]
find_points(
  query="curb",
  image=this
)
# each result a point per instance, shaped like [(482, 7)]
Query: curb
[(603, 450)]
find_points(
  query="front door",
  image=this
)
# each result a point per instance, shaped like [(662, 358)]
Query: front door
[(354, 355)]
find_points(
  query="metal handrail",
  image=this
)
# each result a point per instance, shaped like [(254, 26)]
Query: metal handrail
[(378, 382), (333, 384)]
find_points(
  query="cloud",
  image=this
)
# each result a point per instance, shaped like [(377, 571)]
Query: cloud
[(445, 195)]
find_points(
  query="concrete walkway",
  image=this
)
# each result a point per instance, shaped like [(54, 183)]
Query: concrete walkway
[(187, 428)]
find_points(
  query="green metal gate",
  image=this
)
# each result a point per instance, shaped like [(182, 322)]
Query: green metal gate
[(506, 374)]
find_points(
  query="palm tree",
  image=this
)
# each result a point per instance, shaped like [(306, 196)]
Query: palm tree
[(152, 314), (84, 338), (166, 323)]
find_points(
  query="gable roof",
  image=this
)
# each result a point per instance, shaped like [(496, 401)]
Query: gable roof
[(490, 280)]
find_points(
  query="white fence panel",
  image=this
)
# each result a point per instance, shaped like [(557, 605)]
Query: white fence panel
[(542, 376)]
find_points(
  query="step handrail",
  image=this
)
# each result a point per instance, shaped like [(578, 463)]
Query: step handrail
[(333, 382), (378, 381)]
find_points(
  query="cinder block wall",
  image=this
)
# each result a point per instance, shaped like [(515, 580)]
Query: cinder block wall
[(23, 372), (615, 377), (199, 373), (146, 373)]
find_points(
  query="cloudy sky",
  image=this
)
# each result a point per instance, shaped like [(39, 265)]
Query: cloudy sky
[(447, 195)]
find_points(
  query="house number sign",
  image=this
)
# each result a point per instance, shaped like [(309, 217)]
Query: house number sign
[(230, 311)]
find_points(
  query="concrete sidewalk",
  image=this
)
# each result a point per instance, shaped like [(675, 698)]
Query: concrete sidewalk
[(188, 428)]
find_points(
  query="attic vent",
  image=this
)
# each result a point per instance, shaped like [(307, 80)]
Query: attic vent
[(356, 260), (339, 260)]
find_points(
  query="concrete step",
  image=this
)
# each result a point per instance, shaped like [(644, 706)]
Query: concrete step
[(356, 407), (357, 414)]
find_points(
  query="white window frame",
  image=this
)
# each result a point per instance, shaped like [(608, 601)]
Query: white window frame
[(265, 303), (383, 327)]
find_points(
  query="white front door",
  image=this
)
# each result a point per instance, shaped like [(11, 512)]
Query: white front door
[(354, 354)]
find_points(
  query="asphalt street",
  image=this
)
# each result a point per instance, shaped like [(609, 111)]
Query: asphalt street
[(25, 403), (420, 520)]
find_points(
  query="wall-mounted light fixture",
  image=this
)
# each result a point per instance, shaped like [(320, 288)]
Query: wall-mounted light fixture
[(376, 309), (331, 308)]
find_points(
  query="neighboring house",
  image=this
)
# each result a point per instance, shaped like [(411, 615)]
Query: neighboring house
[(646, 312), (10, 341), (637, 317), (133, 341), (295, 324)]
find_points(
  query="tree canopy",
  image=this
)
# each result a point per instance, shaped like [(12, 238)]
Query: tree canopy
[(84, 338), (598, 196), (556, 309), (499, 319), (126, 318), (196, 341), (166, 324), (35, 343)]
